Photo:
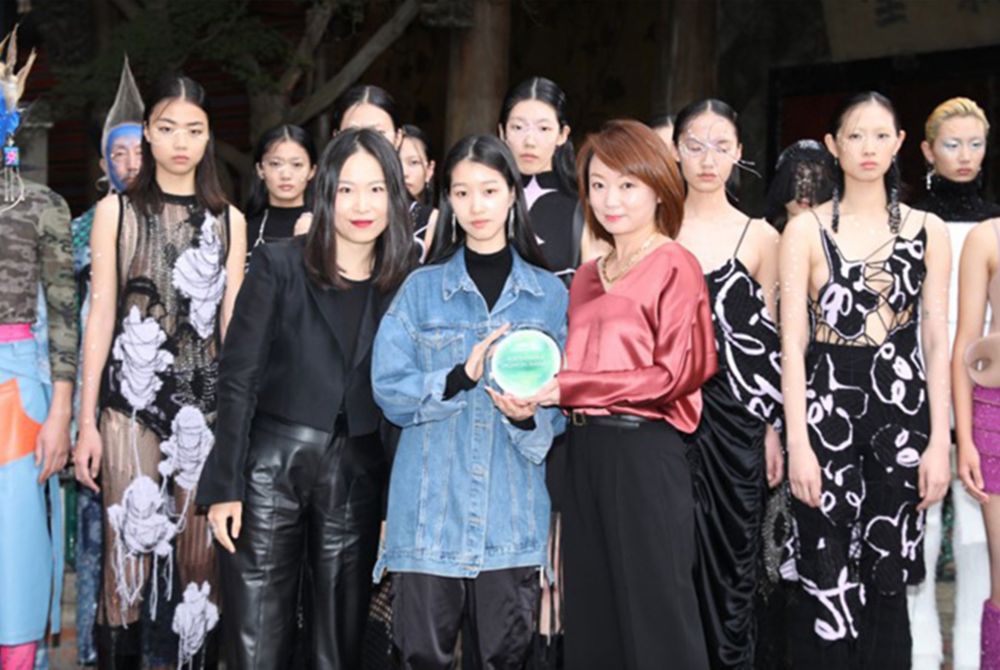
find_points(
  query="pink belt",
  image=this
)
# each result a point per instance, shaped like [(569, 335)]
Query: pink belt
[(15, 332)]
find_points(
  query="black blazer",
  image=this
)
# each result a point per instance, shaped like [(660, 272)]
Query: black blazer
[(281, 357)]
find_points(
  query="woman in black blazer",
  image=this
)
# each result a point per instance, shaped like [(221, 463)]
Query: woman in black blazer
[(297, 454)]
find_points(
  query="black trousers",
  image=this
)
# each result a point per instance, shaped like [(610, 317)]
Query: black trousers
[(499, 609), (303, 486), (628, 550)]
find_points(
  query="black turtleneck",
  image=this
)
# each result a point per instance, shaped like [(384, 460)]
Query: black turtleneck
[(955, 201), (489, 272)]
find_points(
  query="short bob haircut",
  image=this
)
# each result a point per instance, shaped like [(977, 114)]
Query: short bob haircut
[(632, 148)]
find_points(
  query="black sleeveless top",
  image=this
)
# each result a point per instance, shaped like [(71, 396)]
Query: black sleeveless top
[(747, 338)]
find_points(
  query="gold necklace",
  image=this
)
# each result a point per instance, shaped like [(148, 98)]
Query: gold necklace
[(626, 263)]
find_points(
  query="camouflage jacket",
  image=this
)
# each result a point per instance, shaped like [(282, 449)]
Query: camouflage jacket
[(37, 247)]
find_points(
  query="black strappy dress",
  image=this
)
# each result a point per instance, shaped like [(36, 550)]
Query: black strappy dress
[(727, 461)]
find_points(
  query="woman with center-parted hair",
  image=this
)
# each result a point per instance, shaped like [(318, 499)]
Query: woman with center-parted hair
[(468, 516), (640, 346), (297, 453), (167, 264)]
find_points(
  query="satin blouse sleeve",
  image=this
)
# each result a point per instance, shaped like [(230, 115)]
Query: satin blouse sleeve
[(684, 353)]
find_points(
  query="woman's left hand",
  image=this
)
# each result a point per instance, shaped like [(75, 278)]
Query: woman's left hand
[(513, 408), (303, 223), (548, 396), (773, 457), (934, 474)]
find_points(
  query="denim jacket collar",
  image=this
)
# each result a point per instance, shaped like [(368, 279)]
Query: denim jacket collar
[(456, 276)]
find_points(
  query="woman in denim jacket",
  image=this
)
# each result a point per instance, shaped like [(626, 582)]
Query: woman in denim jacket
[(468, 513)]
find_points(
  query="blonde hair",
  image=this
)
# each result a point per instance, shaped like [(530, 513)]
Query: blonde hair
[(949, 109)]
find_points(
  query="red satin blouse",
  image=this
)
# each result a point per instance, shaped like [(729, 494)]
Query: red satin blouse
[(645, 346)]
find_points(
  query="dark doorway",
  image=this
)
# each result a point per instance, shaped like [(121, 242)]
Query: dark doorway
[(803, 98)]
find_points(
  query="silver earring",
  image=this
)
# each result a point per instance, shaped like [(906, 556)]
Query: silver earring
[(454, 229), (510, 223), (928, 176)]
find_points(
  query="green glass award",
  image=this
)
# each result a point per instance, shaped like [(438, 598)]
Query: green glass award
[(522, 361)]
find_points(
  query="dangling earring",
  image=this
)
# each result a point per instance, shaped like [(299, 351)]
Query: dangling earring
[(835, 223), (927, 177), (895, 220), (510, 223), (454, 228)]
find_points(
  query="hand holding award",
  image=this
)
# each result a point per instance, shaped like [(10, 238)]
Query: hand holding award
[(523, 361)]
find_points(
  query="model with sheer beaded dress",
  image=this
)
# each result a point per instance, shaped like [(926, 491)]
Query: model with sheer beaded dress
[(167, 264)]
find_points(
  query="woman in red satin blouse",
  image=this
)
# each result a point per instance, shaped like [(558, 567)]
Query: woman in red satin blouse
[(640, 346)]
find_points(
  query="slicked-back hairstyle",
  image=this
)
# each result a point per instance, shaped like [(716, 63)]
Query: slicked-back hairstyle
[(366, 94), (632, 148), (893, 180), (418, 135), (547, 91), (259, 197), (722, 109), (394, 248), (145, 192), (950, 109)]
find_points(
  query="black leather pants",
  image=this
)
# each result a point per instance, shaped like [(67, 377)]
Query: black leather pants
[(303, 487)]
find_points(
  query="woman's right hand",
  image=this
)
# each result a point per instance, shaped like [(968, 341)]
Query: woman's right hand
[(87, 456), (219, 516), (804, 474), (971, 473), (477, 357)]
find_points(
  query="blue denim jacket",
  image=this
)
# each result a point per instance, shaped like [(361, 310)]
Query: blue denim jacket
[(467, 491)]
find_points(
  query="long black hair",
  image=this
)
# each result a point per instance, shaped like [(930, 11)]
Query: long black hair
[(547, 91), (414, 133), (493, 153), (367, 94), (394, 247), (145, 193), (719, 108), (892, 179), (259, 197)]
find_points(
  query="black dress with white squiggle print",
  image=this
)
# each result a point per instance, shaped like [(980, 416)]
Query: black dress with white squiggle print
[(726, 453), (868, 423)]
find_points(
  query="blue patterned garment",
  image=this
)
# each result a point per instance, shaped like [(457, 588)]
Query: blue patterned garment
[(88, 503)]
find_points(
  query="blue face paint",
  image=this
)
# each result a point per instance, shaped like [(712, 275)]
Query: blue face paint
[(131, 133)]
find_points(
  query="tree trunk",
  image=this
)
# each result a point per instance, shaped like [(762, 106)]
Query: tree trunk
[(688, 59), (477, 71), (326, 94), (267, 109)]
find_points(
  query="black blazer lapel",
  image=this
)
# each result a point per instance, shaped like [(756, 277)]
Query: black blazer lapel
[(366, 329), (325, 308)]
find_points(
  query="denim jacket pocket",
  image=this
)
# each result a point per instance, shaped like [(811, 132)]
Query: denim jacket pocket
[(442, 348)]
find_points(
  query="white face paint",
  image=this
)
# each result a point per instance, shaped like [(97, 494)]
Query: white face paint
[(958, 151)]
